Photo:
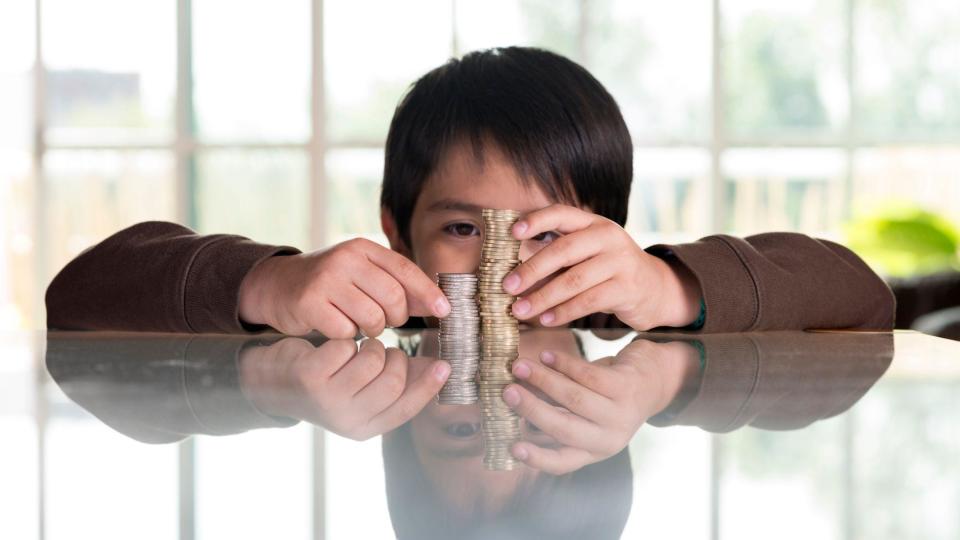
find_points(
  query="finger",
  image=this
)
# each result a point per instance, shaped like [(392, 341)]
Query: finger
[(424, 298), (331, 322), (566, 428), (556, 217), (565, 286), (418, 393), (364, 367), (563, 460), (386, 291), (386, 388), (323, 361), (596, 299), (570, 394), (588, 374), (563, 252), (362, 310)]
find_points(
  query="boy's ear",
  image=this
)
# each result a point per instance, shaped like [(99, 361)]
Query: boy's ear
[(389, 226)]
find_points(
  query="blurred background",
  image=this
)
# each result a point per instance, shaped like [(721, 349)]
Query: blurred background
[(837, 118)]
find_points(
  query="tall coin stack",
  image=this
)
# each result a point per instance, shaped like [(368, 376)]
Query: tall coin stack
[(459, 338), (500, 338)]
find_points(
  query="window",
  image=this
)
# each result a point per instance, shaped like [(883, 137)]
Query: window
[(269, 120)]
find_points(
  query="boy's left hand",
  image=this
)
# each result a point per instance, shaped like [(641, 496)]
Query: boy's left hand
[(597, 267)]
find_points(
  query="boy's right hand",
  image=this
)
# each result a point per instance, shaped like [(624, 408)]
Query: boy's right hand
[(354, 285)]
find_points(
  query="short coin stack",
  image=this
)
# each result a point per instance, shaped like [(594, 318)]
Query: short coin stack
[(500, 338), (459, 338)]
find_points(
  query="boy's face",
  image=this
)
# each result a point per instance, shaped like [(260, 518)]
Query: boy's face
[(446, 227)]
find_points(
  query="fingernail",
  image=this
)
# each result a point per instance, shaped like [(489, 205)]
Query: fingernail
[(511, 397), (440, 371), (547, 358), (511, 282), (521, 307), (547, 317), (521, 369), (519, 228), (441, 307), (520, 453)]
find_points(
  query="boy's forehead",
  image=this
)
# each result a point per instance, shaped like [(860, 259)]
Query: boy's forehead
[(463, 182)]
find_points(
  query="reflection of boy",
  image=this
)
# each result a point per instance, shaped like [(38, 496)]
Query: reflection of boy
[(506, 128), (437, 486)]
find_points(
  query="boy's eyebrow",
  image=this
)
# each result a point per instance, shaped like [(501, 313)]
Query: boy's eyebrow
[(454, 204)]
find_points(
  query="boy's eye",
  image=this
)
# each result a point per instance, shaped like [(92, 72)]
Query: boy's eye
[(462, 430), (462, 229), (546, 237)]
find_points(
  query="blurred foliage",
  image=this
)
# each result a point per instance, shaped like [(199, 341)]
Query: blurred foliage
[(773, 82), (902, 240)]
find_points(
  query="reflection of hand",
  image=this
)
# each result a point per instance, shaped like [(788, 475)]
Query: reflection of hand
[(356, 394), (601, 405)]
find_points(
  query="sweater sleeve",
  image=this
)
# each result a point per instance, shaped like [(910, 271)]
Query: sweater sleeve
[(156, 277), (783, 281), (781, 380)]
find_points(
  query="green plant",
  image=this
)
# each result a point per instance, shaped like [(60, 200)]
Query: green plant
[(900, 240)]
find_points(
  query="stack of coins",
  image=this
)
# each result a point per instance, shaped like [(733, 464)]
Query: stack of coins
[(500, 338), (460, 338)]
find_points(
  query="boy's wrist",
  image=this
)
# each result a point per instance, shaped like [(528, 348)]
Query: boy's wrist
[(252, 291), (681, 295)]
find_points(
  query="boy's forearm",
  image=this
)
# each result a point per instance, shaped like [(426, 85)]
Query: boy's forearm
[(783, 281), (681, 294), (156, 277)]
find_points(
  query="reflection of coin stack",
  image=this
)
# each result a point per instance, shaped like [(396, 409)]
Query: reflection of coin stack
[(500, 338), (459, 338)]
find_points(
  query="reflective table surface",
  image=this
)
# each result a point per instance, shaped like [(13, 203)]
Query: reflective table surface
[(780, 434)]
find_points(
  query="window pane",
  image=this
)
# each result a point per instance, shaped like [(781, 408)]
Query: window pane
[(655, 60), (111, 70), (671, 483), (93, 472), (261, 194), (355, 473), (255, 485), (19, 489), (16, 59), (373, 51), (784, 64), (908, 67), (669, 200), (252, 70), (92, 194), (16, 180), (353, 199), (784, 190), (928, 177), (16, 240), (553, 25), (769, 478), (906, 487)]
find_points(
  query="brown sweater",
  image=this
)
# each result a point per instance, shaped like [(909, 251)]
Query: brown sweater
[(163, 277)]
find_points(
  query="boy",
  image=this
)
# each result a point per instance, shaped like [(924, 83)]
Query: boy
[(516, 128)]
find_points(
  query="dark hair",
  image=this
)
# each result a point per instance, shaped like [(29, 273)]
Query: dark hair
[(555, 122)]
